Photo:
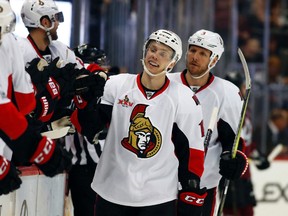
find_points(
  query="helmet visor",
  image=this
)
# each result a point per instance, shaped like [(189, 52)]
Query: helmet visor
[(59, 17)]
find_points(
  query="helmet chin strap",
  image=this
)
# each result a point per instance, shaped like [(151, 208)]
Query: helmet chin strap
[(47, 30), (207, 71), (154, 75)]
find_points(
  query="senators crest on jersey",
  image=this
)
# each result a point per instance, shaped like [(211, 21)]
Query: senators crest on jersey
[(143, 138)]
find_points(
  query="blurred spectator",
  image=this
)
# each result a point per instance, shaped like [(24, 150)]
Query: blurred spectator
[(252, 50), (275, 132), (274, 70), (252, 25)]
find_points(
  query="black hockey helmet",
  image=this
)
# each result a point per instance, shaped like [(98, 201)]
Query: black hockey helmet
[(89, 53)]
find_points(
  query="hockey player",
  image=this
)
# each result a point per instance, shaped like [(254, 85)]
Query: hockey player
[(85, 154), (54, 84), (138, 170), (203, 52), (90, 54), (26, 144), (42, 19)]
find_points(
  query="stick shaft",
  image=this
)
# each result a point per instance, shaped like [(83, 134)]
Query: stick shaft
[(240, 124)]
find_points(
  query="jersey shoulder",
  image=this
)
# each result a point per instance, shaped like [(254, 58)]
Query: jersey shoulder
[(174, 76), (117, 81), (224, 87), (227, 92), (181, 92), (58, 44)]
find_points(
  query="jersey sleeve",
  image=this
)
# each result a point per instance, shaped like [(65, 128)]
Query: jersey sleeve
[(188, 136), (21, 81), (229, 116), (12, 123), (111, 88)]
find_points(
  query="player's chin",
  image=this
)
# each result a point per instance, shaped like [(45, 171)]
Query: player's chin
[(153, 69)]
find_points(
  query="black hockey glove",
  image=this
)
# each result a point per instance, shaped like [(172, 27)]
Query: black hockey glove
[(84, 122), (32, 147), (92, 92), (39, 77), (191, 198), (45, 106), (89, 88), (233, 168), (64, 76), (260, 160), (59, 161), (9, 178)]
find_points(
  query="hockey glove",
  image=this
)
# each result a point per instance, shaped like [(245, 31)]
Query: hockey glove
[(51, 158), (260, 160), (45, 106), (89, 88), (39, 77), (91, 93), (9, 179), (191, 199), (233, 168), (84, 122), (64, 76), (32, 147)]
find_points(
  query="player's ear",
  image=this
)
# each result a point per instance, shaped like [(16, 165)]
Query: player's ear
[(45, 21), (171, 65), (214, 61)]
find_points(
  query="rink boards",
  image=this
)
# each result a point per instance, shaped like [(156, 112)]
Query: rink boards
[(271, 189)]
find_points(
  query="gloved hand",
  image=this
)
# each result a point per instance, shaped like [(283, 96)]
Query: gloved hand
[(9, 179), (51, 158), (64, 76), (191, 199), (45, 106), (233, 168), (39, 77), (32, 147), (260, 160), (89, 87)]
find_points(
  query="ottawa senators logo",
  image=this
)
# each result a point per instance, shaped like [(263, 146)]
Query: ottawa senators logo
[(144, 139)]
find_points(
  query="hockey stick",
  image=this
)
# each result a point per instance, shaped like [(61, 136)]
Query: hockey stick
[(238, 133), (57, 133), (275, 152), (211, 125)]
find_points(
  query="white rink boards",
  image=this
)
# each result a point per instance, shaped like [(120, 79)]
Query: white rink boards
[(38, 195)]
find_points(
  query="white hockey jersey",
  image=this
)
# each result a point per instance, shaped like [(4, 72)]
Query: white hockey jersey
[(57, 48), (138, 166), (224, 95), (14, 77), (14, 83)]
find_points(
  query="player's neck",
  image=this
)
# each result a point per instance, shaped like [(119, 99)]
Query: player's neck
[(196, 82), (153, 83), (40, 39)]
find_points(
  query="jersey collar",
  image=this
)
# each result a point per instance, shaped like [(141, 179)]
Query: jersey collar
[(158, 92), (184, 80)]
